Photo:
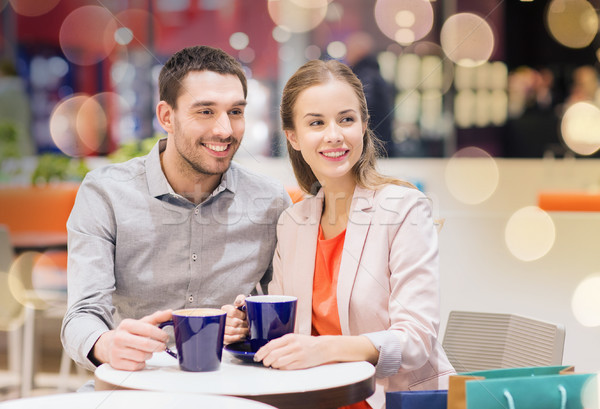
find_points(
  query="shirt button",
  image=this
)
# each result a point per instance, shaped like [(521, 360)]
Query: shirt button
[(194, 257), (196, 210), (191, 299)]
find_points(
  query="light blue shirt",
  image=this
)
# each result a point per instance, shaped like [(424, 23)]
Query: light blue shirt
[(136, 246)]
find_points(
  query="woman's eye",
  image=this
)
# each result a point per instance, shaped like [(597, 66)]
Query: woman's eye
[(348, 119), (316, 123)]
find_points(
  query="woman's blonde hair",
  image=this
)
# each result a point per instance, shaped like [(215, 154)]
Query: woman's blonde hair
[(317, 72)]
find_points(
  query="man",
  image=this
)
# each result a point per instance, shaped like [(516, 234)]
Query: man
[(182, 227), (379, 94)]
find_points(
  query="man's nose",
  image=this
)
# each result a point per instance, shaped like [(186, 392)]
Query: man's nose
[(223, 125)]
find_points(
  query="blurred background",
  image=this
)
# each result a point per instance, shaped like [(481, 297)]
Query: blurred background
[(79, 76), (489, 106)]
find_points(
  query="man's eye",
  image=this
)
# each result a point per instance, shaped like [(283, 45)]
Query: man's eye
[(205, 112), (237, 112)]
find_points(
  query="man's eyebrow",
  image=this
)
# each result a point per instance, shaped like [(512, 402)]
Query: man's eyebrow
[(198, 104)]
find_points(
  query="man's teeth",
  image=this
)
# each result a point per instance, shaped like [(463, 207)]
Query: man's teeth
[(334, 154), (218, 148)]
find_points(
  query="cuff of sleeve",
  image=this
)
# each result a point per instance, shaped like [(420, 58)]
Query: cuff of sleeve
[(390, 353)]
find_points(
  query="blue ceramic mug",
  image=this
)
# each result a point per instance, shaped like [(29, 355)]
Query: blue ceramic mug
[(199, 336), (270, 317)]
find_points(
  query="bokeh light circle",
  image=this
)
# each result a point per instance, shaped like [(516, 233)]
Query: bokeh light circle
[(296, 18), (239, 41), (336, 49), (247, 55), (78, 125), (467, 39), (472, 175), (580, 128), (572, 23), (281, 34), (123, 35), (32, 8), (113, 105), (312, 52), (529, 233), (590, 396), (35, 277), (585, 302), (137, 22), (11, 309), (404, 21), (87, 35)]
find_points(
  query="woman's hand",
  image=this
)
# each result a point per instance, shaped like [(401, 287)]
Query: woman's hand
[(236, 326), (294, 351)]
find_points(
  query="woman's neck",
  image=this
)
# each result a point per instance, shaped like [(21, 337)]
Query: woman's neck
[(336, 206)]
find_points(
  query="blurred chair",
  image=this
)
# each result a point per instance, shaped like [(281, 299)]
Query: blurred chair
[(11, 310), (476, 341)]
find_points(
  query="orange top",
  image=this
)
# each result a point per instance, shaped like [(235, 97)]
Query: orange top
[(325, 317)]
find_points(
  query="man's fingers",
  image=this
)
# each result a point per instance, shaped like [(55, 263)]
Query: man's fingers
[(128, 340), (145, 329), (158, 317)]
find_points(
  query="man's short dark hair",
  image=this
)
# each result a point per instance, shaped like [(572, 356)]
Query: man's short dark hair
[(198, 58)]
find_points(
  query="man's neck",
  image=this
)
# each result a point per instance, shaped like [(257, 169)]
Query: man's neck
[(187, 182)]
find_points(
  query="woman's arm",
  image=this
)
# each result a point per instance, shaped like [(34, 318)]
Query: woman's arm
[(295, 351)]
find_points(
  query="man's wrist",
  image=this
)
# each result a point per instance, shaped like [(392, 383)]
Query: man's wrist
[(96, 355)]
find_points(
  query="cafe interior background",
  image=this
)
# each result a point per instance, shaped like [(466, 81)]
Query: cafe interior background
[(496, 117)]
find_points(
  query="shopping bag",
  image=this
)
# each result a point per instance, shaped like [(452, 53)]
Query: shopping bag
[(545, 391), (457, 398), (434, 399)]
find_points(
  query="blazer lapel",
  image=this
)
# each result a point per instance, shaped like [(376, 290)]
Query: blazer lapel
[(356, 234), (304, 261)]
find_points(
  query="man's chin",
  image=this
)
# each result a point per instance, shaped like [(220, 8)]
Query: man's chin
[(218, 169)]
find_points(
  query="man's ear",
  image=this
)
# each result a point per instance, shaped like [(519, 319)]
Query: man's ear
[(165, 116), (291, 137)]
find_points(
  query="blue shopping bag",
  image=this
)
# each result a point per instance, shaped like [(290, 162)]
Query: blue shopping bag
[(434, 399)]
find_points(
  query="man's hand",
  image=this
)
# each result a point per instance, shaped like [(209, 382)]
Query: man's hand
[(236, 326), (133, 342)]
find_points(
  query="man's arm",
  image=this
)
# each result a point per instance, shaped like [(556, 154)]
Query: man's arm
[(88, 333)]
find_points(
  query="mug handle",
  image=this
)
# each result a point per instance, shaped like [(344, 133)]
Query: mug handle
[(167, 350)]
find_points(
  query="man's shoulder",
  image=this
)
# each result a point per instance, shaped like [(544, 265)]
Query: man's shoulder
[(249, 179), (118, 172)]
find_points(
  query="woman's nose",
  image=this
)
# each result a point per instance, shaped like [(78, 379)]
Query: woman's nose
[(333, 134)]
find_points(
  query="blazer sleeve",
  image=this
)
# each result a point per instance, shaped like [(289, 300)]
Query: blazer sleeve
[(276, 284), (413, 304)]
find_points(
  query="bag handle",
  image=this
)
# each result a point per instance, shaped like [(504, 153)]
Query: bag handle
[(561, 389)]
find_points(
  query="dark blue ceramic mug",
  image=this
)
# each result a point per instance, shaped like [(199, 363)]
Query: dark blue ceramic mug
[(270, 317), (199, 336)]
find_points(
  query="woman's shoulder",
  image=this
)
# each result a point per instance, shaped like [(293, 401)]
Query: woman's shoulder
[(391, 190), (301, 210)]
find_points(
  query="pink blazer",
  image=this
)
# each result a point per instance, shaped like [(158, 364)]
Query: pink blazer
[(387, 283)]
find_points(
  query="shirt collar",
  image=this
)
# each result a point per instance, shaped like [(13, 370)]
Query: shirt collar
[(157, 181), (158, 185)]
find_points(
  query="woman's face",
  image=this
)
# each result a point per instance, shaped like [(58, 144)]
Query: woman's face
[(328, 130)]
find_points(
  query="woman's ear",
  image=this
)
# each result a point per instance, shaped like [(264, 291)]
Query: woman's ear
[(291, 137), (165, 116)]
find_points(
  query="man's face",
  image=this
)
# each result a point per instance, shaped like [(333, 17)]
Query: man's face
[(209, 121)]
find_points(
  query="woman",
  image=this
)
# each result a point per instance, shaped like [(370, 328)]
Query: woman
[(362, 254)]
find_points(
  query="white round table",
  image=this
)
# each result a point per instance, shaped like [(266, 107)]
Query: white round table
[(131, 399), (325, 386)]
